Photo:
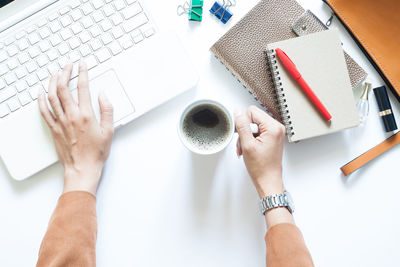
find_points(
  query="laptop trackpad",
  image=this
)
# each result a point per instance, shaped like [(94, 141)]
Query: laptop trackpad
[(112, 87)]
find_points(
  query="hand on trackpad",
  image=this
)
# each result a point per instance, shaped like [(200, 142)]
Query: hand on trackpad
[(112, 87)]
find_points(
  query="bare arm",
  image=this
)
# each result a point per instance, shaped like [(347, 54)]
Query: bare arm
[(263, 158), (83, 146)]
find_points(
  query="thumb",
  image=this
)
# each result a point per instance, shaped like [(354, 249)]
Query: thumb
[(242, 123), (106, 112)]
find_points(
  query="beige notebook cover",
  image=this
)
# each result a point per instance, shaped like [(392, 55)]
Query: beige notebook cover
[(320, 60)]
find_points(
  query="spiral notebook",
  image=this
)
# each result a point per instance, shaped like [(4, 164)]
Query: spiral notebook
[(319, 58)]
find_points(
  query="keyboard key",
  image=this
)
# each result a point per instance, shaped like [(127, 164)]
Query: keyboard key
[(23, 44), (91, 62), (12, 50), (117, 32), (76, 14), (66, 21), (52, 54), (135, 22), (3, 69), (21, 72), (34, 38), (44, 46), (52, 16), (65, 34), (9, 40), (95, 31), (13, 63), (149, 32), (138, 38), (24, 98), (95, 44), (85, 37), (119, 4), (22, 58), (74, 3), (45, 85), (97, 4), (106, 25), (42, 74), (31, 29), (126, 42), (42, 23), (2, 84), (63, 49), (74, 42), (53, 67), (115, 48), (3, 56), (87, 22), (97, 16), (85, 50), (117, 19), (131, 11), (87, 9), (34, 51), (13, 104), (31, 66), (4, 110), (55, 26), (108, 10), (44, 32), (19, 35), (74, 56), (64, 10), (32, 79), (103, 55), (76, 28), (7, 93), (130, 1), (106, 38), (62, 61), (42, 60), (34, 91), (21, 86), (55, 40), (10, 78)]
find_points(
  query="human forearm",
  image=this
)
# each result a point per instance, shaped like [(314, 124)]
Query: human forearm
[(70, 239)]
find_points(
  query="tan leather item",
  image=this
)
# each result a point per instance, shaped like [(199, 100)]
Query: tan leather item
[(375, 24), (242, 48), (371, 154)]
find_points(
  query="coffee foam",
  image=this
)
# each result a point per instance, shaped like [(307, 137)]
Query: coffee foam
[(202, 137)]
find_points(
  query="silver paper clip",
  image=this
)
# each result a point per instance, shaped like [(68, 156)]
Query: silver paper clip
[(186, 8)]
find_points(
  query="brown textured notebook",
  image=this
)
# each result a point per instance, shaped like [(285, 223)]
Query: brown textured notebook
[(241, 49)]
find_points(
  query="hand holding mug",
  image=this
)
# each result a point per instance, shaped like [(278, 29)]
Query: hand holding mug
[(262, 153)]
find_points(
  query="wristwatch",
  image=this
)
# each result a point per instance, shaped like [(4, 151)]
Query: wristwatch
[(275, 201)]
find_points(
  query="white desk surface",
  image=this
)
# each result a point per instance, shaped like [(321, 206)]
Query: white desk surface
[(159, 205)]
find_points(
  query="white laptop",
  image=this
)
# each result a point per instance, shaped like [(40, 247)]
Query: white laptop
[(136, 63)]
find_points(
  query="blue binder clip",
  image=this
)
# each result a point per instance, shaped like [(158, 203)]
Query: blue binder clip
[(221, 11)]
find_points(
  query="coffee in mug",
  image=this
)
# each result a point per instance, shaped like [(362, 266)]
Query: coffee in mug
[(206, 127)]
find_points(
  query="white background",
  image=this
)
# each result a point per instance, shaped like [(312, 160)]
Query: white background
[(159, 205)]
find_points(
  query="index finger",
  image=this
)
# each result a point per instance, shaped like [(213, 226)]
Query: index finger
[(83, 87)]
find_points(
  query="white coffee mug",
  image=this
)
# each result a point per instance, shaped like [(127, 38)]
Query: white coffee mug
[(209, 138)]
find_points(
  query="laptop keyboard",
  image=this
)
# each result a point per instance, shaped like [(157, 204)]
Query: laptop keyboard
[(94, 30)]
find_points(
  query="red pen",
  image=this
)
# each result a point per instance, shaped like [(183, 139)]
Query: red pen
[(291, 68)]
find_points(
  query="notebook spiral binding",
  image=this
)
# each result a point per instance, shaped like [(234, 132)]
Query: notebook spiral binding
[(279, 91)]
